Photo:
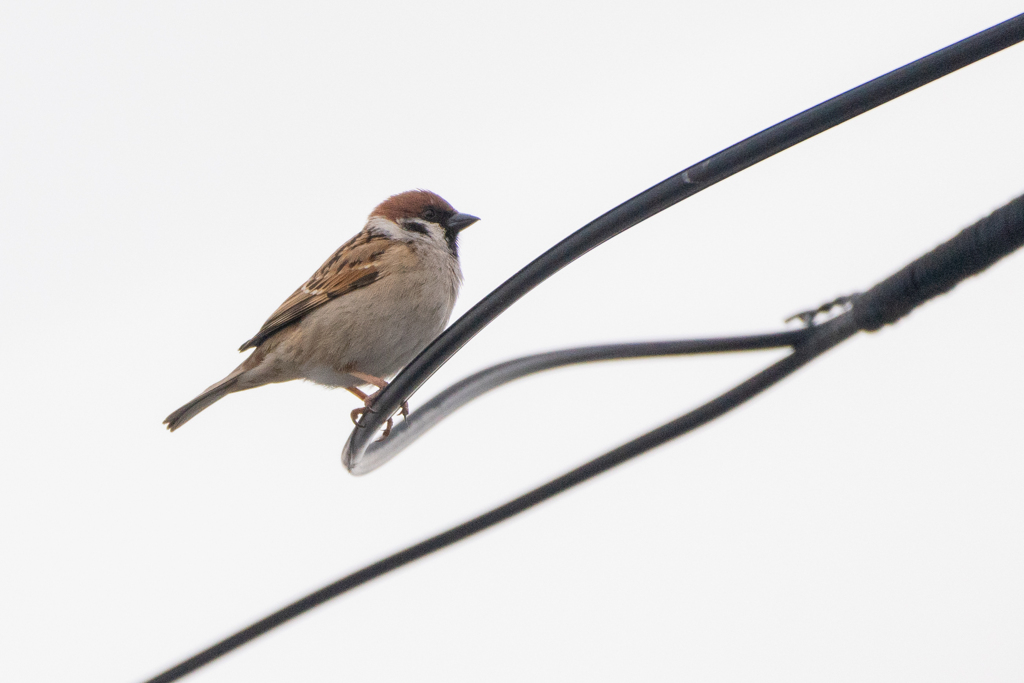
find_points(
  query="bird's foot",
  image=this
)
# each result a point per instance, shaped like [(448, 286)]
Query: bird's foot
[(368, 401), (359, 412)]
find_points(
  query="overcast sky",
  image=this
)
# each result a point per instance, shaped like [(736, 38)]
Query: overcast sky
[(171, 171)]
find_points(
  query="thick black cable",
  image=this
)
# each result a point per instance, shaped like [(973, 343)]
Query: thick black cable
[(685, 184), (967, 254), (973, 250)]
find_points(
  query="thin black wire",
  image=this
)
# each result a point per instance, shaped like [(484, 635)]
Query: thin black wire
[(685, 184), (815, 341), (970, 252), (718, 167)]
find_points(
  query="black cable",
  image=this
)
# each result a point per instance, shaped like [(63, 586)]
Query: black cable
[(967, 254), (685, 184), (825, 337), (879, 306), (974, 249)]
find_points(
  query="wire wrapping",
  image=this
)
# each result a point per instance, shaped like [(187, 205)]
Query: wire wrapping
[(885, 303), (970, 252)]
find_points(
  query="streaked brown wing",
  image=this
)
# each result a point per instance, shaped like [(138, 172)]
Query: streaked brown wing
[(355, 264)]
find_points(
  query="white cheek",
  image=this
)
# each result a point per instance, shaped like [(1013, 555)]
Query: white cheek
[(385, 226), (434, 237), (436, 232)]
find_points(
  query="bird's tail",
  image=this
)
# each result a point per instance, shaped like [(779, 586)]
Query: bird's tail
[(203, 401)]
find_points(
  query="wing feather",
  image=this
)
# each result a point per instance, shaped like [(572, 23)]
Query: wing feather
[(355, 264)]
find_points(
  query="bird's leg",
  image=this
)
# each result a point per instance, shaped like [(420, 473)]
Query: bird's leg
[(381, 385), (361, 394)]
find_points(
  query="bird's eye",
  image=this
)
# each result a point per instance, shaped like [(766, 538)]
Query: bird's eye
[(430, 215)]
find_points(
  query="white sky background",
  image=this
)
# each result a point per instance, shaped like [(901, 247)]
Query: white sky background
[(172, 171)]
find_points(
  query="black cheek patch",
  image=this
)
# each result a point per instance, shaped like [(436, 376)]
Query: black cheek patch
[(413, 226)]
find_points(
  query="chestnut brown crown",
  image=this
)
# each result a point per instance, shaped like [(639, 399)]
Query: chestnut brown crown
[(414, 204)]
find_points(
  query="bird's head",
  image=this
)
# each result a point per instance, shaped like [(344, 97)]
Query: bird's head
[(421, 215)]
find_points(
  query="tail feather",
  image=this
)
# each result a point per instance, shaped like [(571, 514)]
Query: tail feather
[(240, 378), (201, 402)]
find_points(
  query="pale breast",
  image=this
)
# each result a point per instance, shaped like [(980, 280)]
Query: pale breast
[(378, 329)]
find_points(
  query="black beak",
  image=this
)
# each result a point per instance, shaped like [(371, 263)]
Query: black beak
[(460, 221)]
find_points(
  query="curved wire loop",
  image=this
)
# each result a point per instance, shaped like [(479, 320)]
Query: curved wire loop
[(667, 193), (974, 249), (459, 394)]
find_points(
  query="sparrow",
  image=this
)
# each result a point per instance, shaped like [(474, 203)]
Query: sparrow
[(366, 312)]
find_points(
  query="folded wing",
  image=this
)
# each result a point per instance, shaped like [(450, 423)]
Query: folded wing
[(355, 264)]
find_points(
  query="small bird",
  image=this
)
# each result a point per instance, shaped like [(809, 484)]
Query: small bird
[(370, 308)]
